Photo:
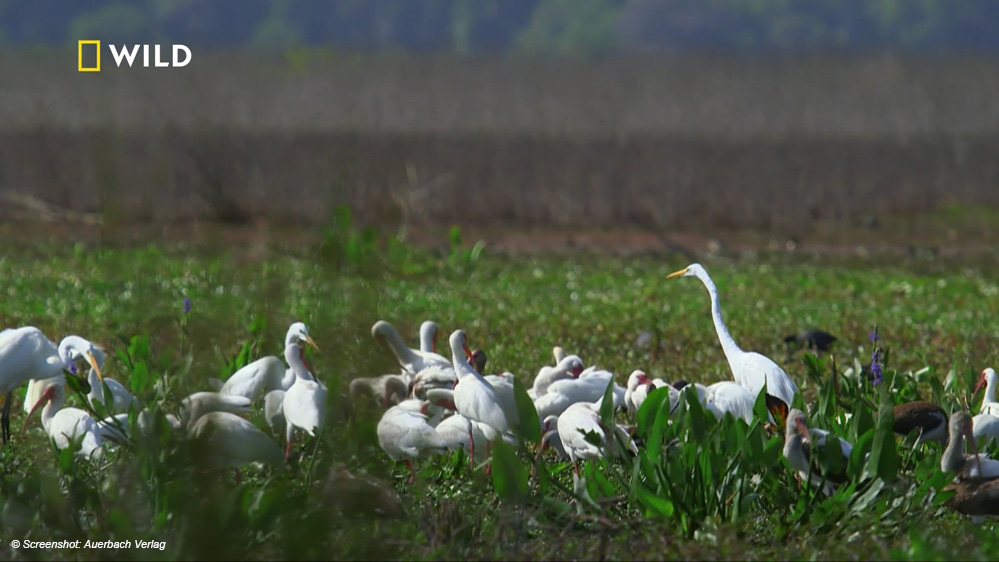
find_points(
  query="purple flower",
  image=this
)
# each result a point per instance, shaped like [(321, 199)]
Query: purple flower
[(873, 336), (878, 375), (187, 305), (72, 367)]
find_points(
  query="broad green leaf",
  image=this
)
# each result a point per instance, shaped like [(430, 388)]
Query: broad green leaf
[(529, 427), (646, 414), (140, 377), (833, 461), (655, 506), (607, 405), (78, 384), (884, 460), (509, 475), (597, 484)]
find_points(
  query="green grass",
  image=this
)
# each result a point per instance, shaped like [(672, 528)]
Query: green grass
[(934, 315)]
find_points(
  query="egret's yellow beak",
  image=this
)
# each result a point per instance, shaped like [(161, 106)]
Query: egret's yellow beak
[(680, 273), (93, 363), (308, 340)]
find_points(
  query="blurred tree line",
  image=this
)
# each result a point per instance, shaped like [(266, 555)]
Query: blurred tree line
[(560, 27)]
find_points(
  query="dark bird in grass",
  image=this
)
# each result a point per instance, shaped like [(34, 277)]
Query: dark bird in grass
[(927, 418), (813, 339), (359, 495)]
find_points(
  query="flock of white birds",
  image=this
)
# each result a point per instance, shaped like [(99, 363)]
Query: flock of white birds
[(436, 404)]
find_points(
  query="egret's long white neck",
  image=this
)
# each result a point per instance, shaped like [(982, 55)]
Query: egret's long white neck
[(293, 355), (96, 388), (728, 344)]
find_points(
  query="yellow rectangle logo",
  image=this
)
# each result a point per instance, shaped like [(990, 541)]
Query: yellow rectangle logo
[(79, 52)]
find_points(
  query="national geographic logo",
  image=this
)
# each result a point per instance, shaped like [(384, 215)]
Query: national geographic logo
[(89, 55)]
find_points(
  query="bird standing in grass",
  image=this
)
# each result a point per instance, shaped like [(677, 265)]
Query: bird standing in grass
[(750, 369), (813, 339)]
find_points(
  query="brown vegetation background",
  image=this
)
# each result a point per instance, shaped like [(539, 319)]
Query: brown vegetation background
[(663, 144)]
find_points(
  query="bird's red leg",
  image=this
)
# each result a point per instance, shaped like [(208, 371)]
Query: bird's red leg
[(471, 447), (412, 471), (287, 450)]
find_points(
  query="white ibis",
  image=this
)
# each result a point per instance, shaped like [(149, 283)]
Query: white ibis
[(966, 467), (550, 438), (580, 419), (268, 373), (986, 427), (26, 354), (990, 381), (804, 450), (411, 360), (926, 417), (428, 336), (304, 403), (750, 369), (405, 434), (67, 425), (564, 393), (231, 441), (474, 397), (639, 388), (568, 367)]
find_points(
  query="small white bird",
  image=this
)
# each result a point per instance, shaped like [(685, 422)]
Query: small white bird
[(750, 369), (569, 367), (405, 433), (474, 396), (582, 418), (66, 425), (304, 403), (563, 393), (231, 441), (990, 381), (267, 373)]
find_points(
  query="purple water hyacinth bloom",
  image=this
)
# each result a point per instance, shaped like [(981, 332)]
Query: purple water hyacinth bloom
[(873, 336), (187, 305), (878, 375), (72, 367)]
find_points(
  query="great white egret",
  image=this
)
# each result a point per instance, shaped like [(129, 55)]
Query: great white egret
[(26, 354), (304, 403), (267, 373), (750, 369)]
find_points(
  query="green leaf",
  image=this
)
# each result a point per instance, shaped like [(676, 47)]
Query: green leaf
[(529, 427), (884, 461), (833, 461), (607, 405), (509, 475), (646, 414), (655, 506), (78, 384), (597, 484), (139, 379)]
